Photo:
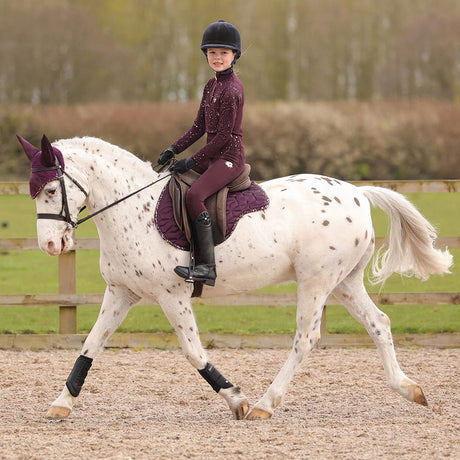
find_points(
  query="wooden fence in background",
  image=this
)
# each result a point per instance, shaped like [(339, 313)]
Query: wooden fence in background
[(68, 299)]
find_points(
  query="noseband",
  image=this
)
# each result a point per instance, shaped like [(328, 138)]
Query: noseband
[(64, 213)]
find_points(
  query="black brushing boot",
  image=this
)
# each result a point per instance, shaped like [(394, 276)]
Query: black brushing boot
[(205, 271)]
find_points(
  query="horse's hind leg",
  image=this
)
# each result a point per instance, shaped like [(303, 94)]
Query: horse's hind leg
[(115, 306), (179, 312), (352, 294), (310, 304)]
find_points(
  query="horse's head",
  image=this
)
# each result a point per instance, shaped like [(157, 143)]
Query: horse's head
[(58, 204)]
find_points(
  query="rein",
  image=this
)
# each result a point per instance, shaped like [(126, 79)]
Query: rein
[(64, 213), (90, 216)]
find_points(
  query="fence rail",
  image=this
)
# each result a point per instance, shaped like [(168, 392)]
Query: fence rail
[(68, 299)]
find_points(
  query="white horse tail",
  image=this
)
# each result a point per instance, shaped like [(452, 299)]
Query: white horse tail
[(410, 250)]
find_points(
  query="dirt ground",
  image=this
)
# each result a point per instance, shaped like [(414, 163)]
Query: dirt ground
[(152, 404)]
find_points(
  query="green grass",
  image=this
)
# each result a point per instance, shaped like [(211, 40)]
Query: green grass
[(27, 272), (235, 320)]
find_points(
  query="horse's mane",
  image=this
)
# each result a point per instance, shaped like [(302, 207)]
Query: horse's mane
[(80, 141), (95, 144)]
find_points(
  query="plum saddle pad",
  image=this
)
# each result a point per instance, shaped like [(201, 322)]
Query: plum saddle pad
[(238, 204)]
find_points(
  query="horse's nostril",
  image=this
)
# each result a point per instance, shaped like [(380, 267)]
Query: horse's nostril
[(50, 246)]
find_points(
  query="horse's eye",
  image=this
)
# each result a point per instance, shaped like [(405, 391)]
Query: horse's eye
[(51, 191)]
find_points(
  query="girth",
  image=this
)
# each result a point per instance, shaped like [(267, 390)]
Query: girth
[(216, 204)]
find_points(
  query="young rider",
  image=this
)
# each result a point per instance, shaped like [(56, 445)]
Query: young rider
[(222, 159)]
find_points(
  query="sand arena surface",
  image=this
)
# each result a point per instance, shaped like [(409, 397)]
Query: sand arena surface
[(153, 404)]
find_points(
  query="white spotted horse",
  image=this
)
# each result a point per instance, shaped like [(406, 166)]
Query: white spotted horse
[(316, 231)]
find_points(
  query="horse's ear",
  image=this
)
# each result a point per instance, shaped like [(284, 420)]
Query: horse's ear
[(29, 149), (48, 157)]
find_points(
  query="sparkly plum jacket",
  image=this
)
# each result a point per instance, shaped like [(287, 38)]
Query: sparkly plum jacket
[(220, 116)]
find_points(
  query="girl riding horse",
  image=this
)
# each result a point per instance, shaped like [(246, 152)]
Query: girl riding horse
[(222, 159)]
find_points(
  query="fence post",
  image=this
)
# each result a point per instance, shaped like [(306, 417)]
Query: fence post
[(68, 285), (323, 327)]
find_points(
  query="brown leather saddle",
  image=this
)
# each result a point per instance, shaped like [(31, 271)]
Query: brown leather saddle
[(216, 204)]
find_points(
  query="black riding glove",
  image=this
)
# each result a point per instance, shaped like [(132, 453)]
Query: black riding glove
[(167, 155), (183, 165)]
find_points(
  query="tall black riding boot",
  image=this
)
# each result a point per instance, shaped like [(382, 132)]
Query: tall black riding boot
[(206, 269)]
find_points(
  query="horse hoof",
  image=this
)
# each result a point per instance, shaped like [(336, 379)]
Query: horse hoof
[(58, 412), (258, 414), (240, 412), (419, 397)]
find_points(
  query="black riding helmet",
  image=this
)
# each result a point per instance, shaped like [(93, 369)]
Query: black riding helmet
[(221, 34)]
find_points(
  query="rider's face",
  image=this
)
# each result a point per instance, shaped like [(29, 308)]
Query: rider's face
[(220, 59)]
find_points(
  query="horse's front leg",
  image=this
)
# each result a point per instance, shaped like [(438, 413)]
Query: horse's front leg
[(180, 314), (115, 306)]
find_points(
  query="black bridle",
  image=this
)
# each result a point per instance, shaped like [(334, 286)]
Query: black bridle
[(64, 213)]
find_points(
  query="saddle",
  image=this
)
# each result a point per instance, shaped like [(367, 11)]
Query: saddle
[(216, 204)]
